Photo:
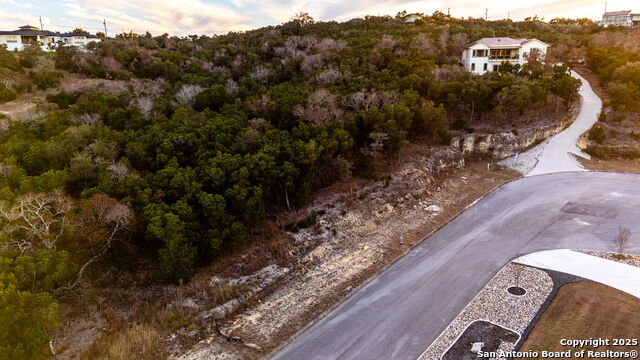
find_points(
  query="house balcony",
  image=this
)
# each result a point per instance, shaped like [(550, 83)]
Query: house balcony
[(501, 58)]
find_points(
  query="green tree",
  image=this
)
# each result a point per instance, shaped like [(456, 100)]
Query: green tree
[(26, 319)]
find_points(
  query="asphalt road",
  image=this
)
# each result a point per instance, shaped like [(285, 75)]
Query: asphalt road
[(401, 311)]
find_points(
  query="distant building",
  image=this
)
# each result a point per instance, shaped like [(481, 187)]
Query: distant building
[(487, 54), (412, 18), (620, 18), (17, 39)]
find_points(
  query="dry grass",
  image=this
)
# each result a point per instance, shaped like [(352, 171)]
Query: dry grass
[(137, 341), (586, 310)]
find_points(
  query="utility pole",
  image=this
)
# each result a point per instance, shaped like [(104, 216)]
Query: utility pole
[(41, 27), (486, 13), (104, 22), (448, 12), (509, 15), (605, 6)]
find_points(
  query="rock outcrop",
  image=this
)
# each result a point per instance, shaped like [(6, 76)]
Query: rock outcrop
[(505, 144)]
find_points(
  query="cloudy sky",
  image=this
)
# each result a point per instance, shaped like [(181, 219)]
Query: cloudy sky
[(183, 17)]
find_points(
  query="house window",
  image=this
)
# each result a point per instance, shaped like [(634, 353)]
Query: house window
[(480, 53), (473, 67), (485, 67), (78, 40), (12, 38), (496, 67)]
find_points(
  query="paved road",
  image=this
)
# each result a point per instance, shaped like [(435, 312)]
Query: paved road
[(400, 312), (559, 153)]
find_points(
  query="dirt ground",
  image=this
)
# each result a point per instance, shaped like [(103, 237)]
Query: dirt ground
[(613, 165), (586, 310)]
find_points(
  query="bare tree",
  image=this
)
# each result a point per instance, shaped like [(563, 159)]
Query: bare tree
[(329, 44), (620, 241), (232, 87), (186, 95), (261, 74), (311, 63), (460, 42), (145, 105), (443, 39), (331, 75), (35, 220), (86, 119), (362, 100), (295, 46), (101, 221), (365, 100), (320, 109), (118, 171), (389, 98), (386, 42), (534, 57)]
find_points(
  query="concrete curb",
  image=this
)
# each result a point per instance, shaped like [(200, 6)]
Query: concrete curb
[(384, 268)]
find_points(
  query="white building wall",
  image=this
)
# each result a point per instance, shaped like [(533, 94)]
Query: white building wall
[(475, 64), (525, 49), (484, 64), (17, 45), (47, 41)]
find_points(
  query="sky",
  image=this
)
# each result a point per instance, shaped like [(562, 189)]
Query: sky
[(186, 17)]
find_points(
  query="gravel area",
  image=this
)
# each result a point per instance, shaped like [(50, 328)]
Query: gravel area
[(633, 260), (496, 305), (525, 162)]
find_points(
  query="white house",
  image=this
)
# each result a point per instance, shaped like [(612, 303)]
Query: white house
[(17, 39), (620, 18), (487, 54), (412, 18)]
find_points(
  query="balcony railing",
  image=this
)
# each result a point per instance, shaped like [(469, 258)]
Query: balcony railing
[(504, 57)]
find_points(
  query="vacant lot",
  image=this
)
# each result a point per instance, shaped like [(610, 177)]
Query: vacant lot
[(586, 310)]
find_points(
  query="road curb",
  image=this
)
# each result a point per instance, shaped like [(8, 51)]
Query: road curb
[(383, 269)]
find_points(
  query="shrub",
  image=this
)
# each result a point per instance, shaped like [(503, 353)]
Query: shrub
[(62, 99), (46, 79), (8, 60), (6, 94), (597, 134)]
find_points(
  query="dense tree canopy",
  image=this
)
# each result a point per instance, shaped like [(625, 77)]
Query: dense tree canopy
[(191, 142)]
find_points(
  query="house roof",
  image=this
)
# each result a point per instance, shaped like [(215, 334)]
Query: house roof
[(29, 30), (502, 42), (614, 13)]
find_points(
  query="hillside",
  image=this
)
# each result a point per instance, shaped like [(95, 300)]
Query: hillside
[(131, 167)]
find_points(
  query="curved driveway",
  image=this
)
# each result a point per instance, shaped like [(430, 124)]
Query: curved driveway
[(559, 153), (401, 311)]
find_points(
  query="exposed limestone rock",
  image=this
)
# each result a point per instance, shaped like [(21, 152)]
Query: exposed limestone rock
[(505, 144), (446, 159)]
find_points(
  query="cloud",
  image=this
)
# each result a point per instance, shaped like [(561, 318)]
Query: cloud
[(11, 20), (15, 3), (221, 16), (160, 16)]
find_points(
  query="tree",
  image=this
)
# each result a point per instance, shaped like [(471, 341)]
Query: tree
[(26, 319), (178, 256), (35, 220), (620, 241), (320, 110), (302, 18), (79, 31), (101, 220)]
